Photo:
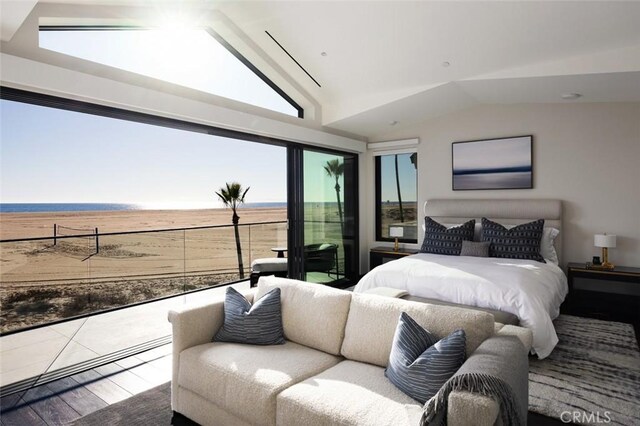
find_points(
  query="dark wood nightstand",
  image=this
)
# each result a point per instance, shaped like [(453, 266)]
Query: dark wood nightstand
[(380, 255), (613, 295)]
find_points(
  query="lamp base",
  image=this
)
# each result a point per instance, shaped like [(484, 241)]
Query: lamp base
[(605, 259), (608, 265)]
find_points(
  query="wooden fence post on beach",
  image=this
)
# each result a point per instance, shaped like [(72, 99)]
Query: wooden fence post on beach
[(97, 242), (55, 233)]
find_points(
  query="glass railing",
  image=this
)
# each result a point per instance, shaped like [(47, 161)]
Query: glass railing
[(68, 291)]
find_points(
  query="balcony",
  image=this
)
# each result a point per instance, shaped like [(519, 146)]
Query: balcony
[(79, 300)]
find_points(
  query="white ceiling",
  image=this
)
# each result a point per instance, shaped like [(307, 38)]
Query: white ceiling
[(384, 58)]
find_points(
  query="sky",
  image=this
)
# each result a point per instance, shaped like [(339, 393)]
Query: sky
[(56, 156), (407, 174), (511, 152), (318, 186), (188, 57), (48, 155)]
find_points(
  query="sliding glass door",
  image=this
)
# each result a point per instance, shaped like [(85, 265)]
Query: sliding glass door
[(327, 217)]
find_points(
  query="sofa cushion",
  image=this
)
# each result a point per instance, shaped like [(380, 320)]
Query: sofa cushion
[(372, 324), (260, 324), (313, 315), (245, 379), (420, 364), (202, 411), (270, 264), (350, 393)]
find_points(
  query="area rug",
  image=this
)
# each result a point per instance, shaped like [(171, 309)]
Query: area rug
[(152, 407), (591, 377)]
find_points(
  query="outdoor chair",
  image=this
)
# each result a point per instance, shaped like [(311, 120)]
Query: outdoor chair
[(321, 258)]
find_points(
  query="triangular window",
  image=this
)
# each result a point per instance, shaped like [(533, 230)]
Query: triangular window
[(196, 58)]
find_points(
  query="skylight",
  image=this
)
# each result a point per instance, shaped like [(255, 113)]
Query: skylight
[(187, 57)]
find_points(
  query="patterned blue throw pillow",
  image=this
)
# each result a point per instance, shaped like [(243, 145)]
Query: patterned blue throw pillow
[(260, 324), (519, 242), (440, 240), (419, 364)]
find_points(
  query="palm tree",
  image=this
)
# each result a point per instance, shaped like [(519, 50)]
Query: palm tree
[(335, 169), (232, 196), (398, 188)]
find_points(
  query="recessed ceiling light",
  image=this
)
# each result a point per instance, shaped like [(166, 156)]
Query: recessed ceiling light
[(570, 96), (393, 123), (323, 53), (445, 64)]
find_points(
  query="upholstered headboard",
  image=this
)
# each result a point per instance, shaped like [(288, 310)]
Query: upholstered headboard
[(509, 212)]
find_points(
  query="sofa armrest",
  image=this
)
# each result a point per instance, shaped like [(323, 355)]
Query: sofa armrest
[(500, 356), (525, 335), (194, 325), (466, 408)]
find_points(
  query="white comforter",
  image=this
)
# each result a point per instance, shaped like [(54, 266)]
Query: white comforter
[(531, 290)]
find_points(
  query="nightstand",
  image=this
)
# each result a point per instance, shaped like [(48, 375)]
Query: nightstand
[(380, 255), (612, 295)]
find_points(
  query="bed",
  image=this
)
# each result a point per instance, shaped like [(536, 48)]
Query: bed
[(533, 291)]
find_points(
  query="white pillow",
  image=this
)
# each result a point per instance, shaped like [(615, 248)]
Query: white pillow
[(547, 249)]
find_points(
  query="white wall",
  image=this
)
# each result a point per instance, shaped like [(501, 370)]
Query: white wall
[(586, 154)]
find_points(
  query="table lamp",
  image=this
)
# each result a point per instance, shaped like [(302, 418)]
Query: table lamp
[(606, 242), (396, 232)]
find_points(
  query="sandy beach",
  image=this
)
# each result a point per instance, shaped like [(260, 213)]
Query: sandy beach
[(48, 280), (41, 281), (29, 225)]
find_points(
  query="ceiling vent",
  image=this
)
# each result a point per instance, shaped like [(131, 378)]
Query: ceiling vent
[(292, 58)]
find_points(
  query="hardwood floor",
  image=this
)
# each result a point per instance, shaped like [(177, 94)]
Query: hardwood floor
[(69, 398)]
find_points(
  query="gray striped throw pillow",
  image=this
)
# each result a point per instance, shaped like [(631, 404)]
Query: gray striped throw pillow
[(475, 248), (419, 364), (260, 324)]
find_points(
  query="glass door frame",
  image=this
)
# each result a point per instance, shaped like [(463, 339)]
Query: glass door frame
[(295, 211)]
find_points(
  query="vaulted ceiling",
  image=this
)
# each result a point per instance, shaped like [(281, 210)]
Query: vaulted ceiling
[(382, 62)]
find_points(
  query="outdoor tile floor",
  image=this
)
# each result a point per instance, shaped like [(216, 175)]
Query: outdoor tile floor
[(31, 353)]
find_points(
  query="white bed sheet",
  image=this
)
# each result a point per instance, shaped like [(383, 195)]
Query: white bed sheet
[(531, 290)]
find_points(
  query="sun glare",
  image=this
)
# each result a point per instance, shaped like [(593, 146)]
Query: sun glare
[(178, 205), (176, 19), (175, 52)]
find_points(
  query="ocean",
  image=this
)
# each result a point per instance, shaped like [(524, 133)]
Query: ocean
[(502, 180), (88, 207)]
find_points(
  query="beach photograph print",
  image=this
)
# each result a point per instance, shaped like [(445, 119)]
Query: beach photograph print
[(504, 163)]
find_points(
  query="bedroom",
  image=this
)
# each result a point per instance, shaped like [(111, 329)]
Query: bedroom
[(395, 96)]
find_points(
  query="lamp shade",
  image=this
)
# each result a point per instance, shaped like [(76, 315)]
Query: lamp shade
[(604, 240), (396, 231)]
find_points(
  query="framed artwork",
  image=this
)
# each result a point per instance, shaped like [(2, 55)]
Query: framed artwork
[(503, 163)]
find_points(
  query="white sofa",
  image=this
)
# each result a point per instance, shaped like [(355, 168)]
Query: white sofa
[(329, 372)]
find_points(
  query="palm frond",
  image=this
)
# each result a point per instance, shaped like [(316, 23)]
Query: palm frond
[(232, 194), (334, 168)]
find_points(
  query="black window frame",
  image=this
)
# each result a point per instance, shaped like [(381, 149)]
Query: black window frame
[(378, 201)]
